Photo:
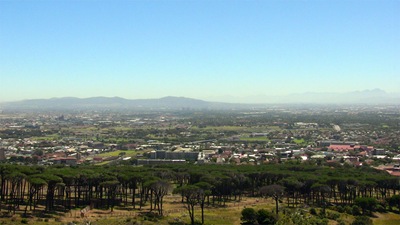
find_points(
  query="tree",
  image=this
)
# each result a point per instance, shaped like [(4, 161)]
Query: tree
[(160, 189), (191, 195), (274, 191), (52, 182), (35, 185), (205, 192), (111, 192)]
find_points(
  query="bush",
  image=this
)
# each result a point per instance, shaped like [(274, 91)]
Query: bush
[(348, 210), (315, 221), (355, 210), (380, 208), (24, 221), (340, 209), (367, 204), (313, 211), (249, 216), (322, 213), (266, 218), (332, 215), (324, 221), (362, 220), (262, 216)]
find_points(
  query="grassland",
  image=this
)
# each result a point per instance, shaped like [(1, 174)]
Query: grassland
[(124, 153), (175, 213)]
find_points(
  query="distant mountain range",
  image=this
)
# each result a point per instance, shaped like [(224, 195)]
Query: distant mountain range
[(114, 103), (375, 96)]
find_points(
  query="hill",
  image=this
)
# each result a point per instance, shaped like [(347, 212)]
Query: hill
[(116, 103)]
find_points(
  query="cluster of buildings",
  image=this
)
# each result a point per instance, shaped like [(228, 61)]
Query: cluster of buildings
[(280, 141)]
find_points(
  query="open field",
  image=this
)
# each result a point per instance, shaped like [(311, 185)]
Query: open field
[(254, 139), (125, 153), (174, 212), (386, 219)]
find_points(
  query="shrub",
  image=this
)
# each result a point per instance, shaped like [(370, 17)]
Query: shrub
[(266, 218), (380, 208), (24, 221), (322, 213), (367, 204), (249, 216), (348, 210), (151, 216), (332, 215), (313, 211), (355, 210), (362, 220), (340, 209)]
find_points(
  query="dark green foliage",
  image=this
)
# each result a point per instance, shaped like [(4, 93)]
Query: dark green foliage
[(362, 220), (340, 209), (348, 209), (109, 186), (151, 216), (355, 210), (265, 217), (380, 208), (332, 215), (249, 216), (262, 217), (313, 211), (395, 201), (367, 204)]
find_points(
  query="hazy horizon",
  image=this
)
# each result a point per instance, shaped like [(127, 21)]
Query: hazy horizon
[(358, 96), (197, 49)]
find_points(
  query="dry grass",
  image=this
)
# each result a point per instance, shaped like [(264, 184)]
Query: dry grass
[(386, 219), (175, 211)]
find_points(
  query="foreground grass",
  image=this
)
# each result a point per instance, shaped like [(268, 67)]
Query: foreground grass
[(175, 213), (386, 219)]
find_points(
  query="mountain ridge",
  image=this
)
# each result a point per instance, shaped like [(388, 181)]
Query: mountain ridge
[(374, 96)]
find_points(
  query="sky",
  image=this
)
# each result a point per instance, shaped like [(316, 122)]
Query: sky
[(216, 49)]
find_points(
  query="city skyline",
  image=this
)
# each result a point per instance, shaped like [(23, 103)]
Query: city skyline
[(197, 49)]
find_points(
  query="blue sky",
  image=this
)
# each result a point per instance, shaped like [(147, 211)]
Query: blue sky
[(199, 49)]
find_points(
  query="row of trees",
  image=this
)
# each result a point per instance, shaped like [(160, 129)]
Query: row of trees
[(64, 188)]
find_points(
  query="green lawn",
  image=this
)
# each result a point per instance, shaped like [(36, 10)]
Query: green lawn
[(128, 153), (299, 141), (255, 139), (52, 137)]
